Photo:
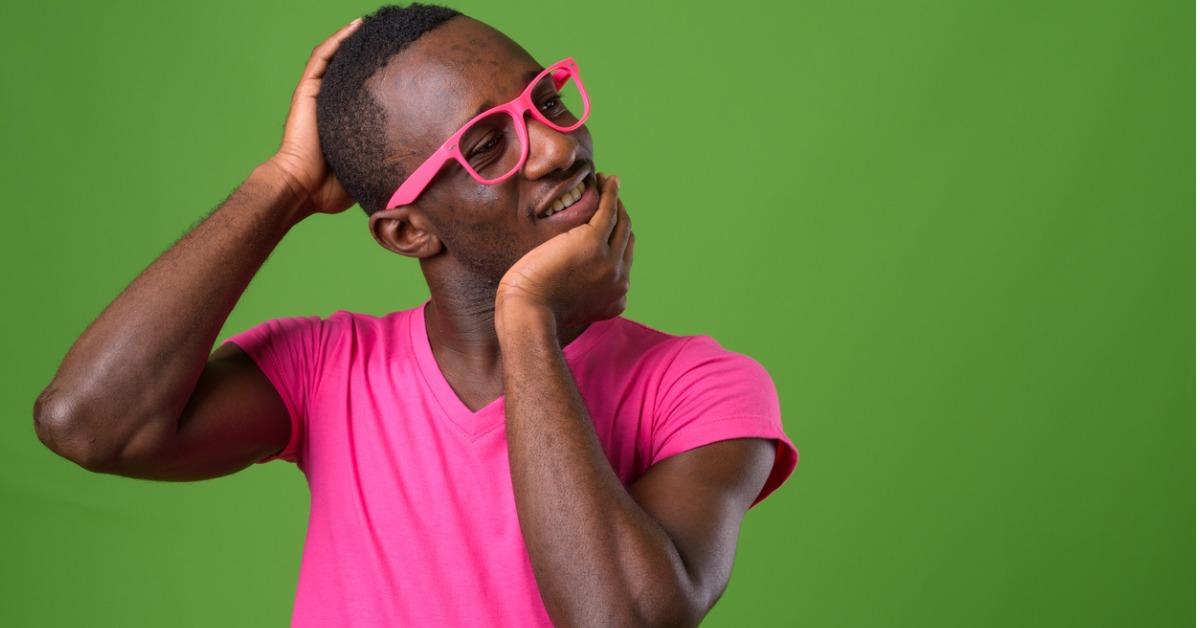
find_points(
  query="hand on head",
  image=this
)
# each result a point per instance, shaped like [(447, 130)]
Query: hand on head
[(299, 159)]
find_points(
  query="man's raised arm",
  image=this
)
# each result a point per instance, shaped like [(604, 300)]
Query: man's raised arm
[(116, 401)]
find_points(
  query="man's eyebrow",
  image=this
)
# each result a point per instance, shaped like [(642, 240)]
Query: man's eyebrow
[(487, 104)]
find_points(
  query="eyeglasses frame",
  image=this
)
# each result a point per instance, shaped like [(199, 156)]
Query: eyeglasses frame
[(415, 184)]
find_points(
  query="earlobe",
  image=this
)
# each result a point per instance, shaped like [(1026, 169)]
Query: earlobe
[(403, 230)]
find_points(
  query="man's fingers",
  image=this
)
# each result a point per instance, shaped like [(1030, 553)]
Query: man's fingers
[(606, 214), (324, 50), (310, 81), (620, 234), (627, 258)]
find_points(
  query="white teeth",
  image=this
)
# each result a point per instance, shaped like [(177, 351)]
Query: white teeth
[(566, 200)]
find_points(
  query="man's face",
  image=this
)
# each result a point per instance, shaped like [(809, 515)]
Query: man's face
[(433, 87)]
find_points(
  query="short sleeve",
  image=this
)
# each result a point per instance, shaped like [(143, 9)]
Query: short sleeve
[(287, 351), (710, 394)]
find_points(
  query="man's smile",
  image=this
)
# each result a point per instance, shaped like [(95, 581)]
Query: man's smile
[(565, 201), (576, 205)]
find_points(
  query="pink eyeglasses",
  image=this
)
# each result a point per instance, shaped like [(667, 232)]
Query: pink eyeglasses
[(493, 145)]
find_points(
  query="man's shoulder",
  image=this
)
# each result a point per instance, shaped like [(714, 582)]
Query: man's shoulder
[(367, 317), (690, 356), (345, 318), (330, 328), (665, 348), (637, 338)]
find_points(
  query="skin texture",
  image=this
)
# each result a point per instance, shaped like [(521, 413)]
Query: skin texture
[(139, 395)]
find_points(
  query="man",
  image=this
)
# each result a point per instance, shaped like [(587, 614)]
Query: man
[(511, 452)]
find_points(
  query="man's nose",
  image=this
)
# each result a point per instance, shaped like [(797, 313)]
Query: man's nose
[(549, 150)]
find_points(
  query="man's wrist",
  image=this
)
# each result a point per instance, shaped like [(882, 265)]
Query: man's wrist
[(294, 202), (520, 317)]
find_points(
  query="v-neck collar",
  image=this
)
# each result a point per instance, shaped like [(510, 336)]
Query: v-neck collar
[(491, 416)]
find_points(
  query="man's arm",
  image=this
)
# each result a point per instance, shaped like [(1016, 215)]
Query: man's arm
[(659, 554), (700, 497), (118, 400)]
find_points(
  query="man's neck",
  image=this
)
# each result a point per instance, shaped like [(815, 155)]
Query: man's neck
[(460, 321), (467, 326)]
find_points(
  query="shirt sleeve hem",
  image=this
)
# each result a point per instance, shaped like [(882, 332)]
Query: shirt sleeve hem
[(727, 428)]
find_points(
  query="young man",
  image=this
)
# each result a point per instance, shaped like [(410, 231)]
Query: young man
[(511, 452)]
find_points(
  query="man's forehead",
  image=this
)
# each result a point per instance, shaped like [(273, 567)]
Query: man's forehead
[(441, 99), (488, 101), (439, 83)]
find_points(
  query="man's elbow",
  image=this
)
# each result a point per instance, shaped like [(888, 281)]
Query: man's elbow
[(671, 618), (675, 610), (61, 432)]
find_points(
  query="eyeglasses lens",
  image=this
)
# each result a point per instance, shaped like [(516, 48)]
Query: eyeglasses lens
[(491, 145)]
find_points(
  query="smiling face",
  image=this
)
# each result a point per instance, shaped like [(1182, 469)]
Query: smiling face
[(429, 90)]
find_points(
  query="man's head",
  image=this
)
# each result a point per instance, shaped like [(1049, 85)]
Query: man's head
[(394, 91)]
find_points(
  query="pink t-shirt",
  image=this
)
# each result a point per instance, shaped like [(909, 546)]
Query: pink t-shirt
[(412, 518)]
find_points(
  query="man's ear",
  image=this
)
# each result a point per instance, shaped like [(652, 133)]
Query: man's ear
[(405, 230)]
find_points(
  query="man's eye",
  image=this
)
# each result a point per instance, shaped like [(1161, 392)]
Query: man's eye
[(486, 146), (553, 104)]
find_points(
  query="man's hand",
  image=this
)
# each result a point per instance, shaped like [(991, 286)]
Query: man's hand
[(299, 160), (579, 276)]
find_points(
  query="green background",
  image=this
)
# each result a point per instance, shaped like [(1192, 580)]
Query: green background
[(960, 235)]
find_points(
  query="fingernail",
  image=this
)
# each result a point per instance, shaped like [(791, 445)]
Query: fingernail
[(618, 180)]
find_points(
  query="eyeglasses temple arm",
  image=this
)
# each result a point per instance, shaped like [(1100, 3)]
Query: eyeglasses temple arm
[(418, 180)]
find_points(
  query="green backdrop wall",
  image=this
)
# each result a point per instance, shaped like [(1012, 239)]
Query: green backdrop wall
[(960, 235)]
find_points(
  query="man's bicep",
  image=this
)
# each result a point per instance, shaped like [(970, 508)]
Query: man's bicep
[(234, 418), (700, 497)]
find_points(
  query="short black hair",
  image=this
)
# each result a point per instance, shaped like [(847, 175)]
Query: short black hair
[(350, 123)]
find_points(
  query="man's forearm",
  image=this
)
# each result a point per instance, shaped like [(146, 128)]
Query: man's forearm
[(129, 375), (598, 558)]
